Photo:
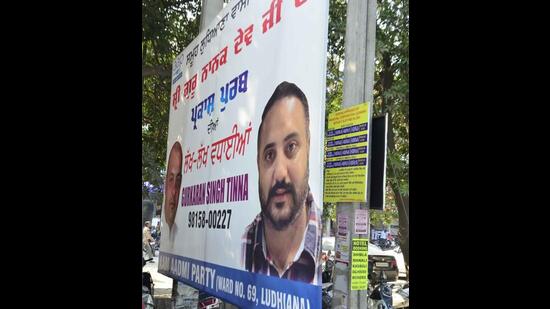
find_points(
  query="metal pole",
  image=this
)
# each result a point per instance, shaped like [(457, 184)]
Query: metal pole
[(358, 88)]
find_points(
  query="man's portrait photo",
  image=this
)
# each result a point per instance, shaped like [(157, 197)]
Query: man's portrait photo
[(284, 239), (171, 191)]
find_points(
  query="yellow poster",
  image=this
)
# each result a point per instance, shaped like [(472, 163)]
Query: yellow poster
[(346, 155), (359, 264)]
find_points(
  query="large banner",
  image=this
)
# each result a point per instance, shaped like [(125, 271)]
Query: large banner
[(243, 193)]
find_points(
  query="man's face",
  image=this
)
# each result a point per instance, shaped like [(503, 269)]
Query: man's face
[(283, 162), (173, 183)]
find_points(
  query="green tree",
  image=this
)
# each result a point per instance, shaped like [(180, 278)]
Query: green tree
[(335, 73), (388, 215), (391, 96), (168, 27)]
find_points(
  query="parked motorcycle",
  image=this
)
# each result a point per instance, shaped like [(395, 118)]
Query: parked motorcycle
[(154, 246), (385, 244), (326, 295), (147, 289), (401, 297), (380, 296), (328, 271), (327, 279), (157, 242)]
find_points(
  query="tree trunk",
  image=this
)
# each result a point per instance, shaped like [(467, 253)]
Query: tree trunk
[(401, 200)]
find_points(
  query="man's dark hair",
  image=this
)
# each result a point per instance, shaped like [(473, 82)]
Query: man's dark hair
[(286, 89)]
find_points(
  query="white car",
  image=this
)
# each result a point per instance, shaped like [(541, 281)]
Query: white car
[(398, 255), (390, 261), (383, 260)]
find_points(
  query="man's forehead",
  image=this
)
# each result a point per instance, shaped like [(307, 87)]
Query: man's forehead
[(175, 155), (281, 113), (289, 104)]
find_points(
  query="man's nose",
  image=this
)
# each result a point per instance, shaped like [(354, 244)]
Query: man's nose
[(174, 195), (280, 171)]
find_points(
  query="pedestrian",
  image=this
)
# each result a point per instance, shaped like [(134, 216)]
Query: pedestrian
[(147, 238), (391, 240)]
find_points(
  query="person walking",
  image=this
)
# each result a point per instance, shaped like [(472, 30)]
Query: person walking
[(147, 238)]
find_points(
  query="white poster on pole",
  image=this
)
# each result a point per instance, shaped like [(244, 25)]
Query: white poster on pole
[(361, 221), (243, 192), (342, 239)]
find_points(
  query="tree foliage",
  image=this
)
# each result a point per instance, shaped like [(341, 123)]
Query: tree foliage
[(335, 57), (391, 96), (389, 215), (335, 73), (168, 27)]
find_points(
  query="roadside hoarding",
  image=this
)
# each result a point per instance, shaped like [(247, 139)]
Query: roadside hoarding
[(346, 162), (221, 85)]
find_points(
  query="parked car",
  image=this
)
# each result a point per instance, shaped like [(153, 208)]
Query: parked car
[(207, 301), (398, 254), (382, 260), (378, 259)]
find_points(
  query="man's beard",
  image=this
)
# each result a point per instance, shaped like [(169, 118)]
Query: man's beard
[(298, 199)]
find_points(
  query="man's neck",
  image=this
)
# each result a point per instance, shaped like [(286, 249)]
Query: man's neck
[(283, 245)]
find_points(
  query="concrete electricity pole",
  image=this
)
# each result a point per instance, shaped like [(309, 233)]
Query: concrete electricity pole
[(358, 88)]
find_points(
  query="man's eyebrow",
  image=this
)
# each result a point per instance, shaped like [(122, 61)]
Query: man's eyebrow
[(291, 136)]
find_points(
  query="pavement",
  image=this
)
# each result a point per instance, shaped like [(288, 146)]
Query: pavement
[(163, 285)]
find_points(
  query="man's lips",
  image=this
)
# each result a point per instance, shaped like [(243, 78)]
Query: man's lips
[(280, 191), (280, 195)]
